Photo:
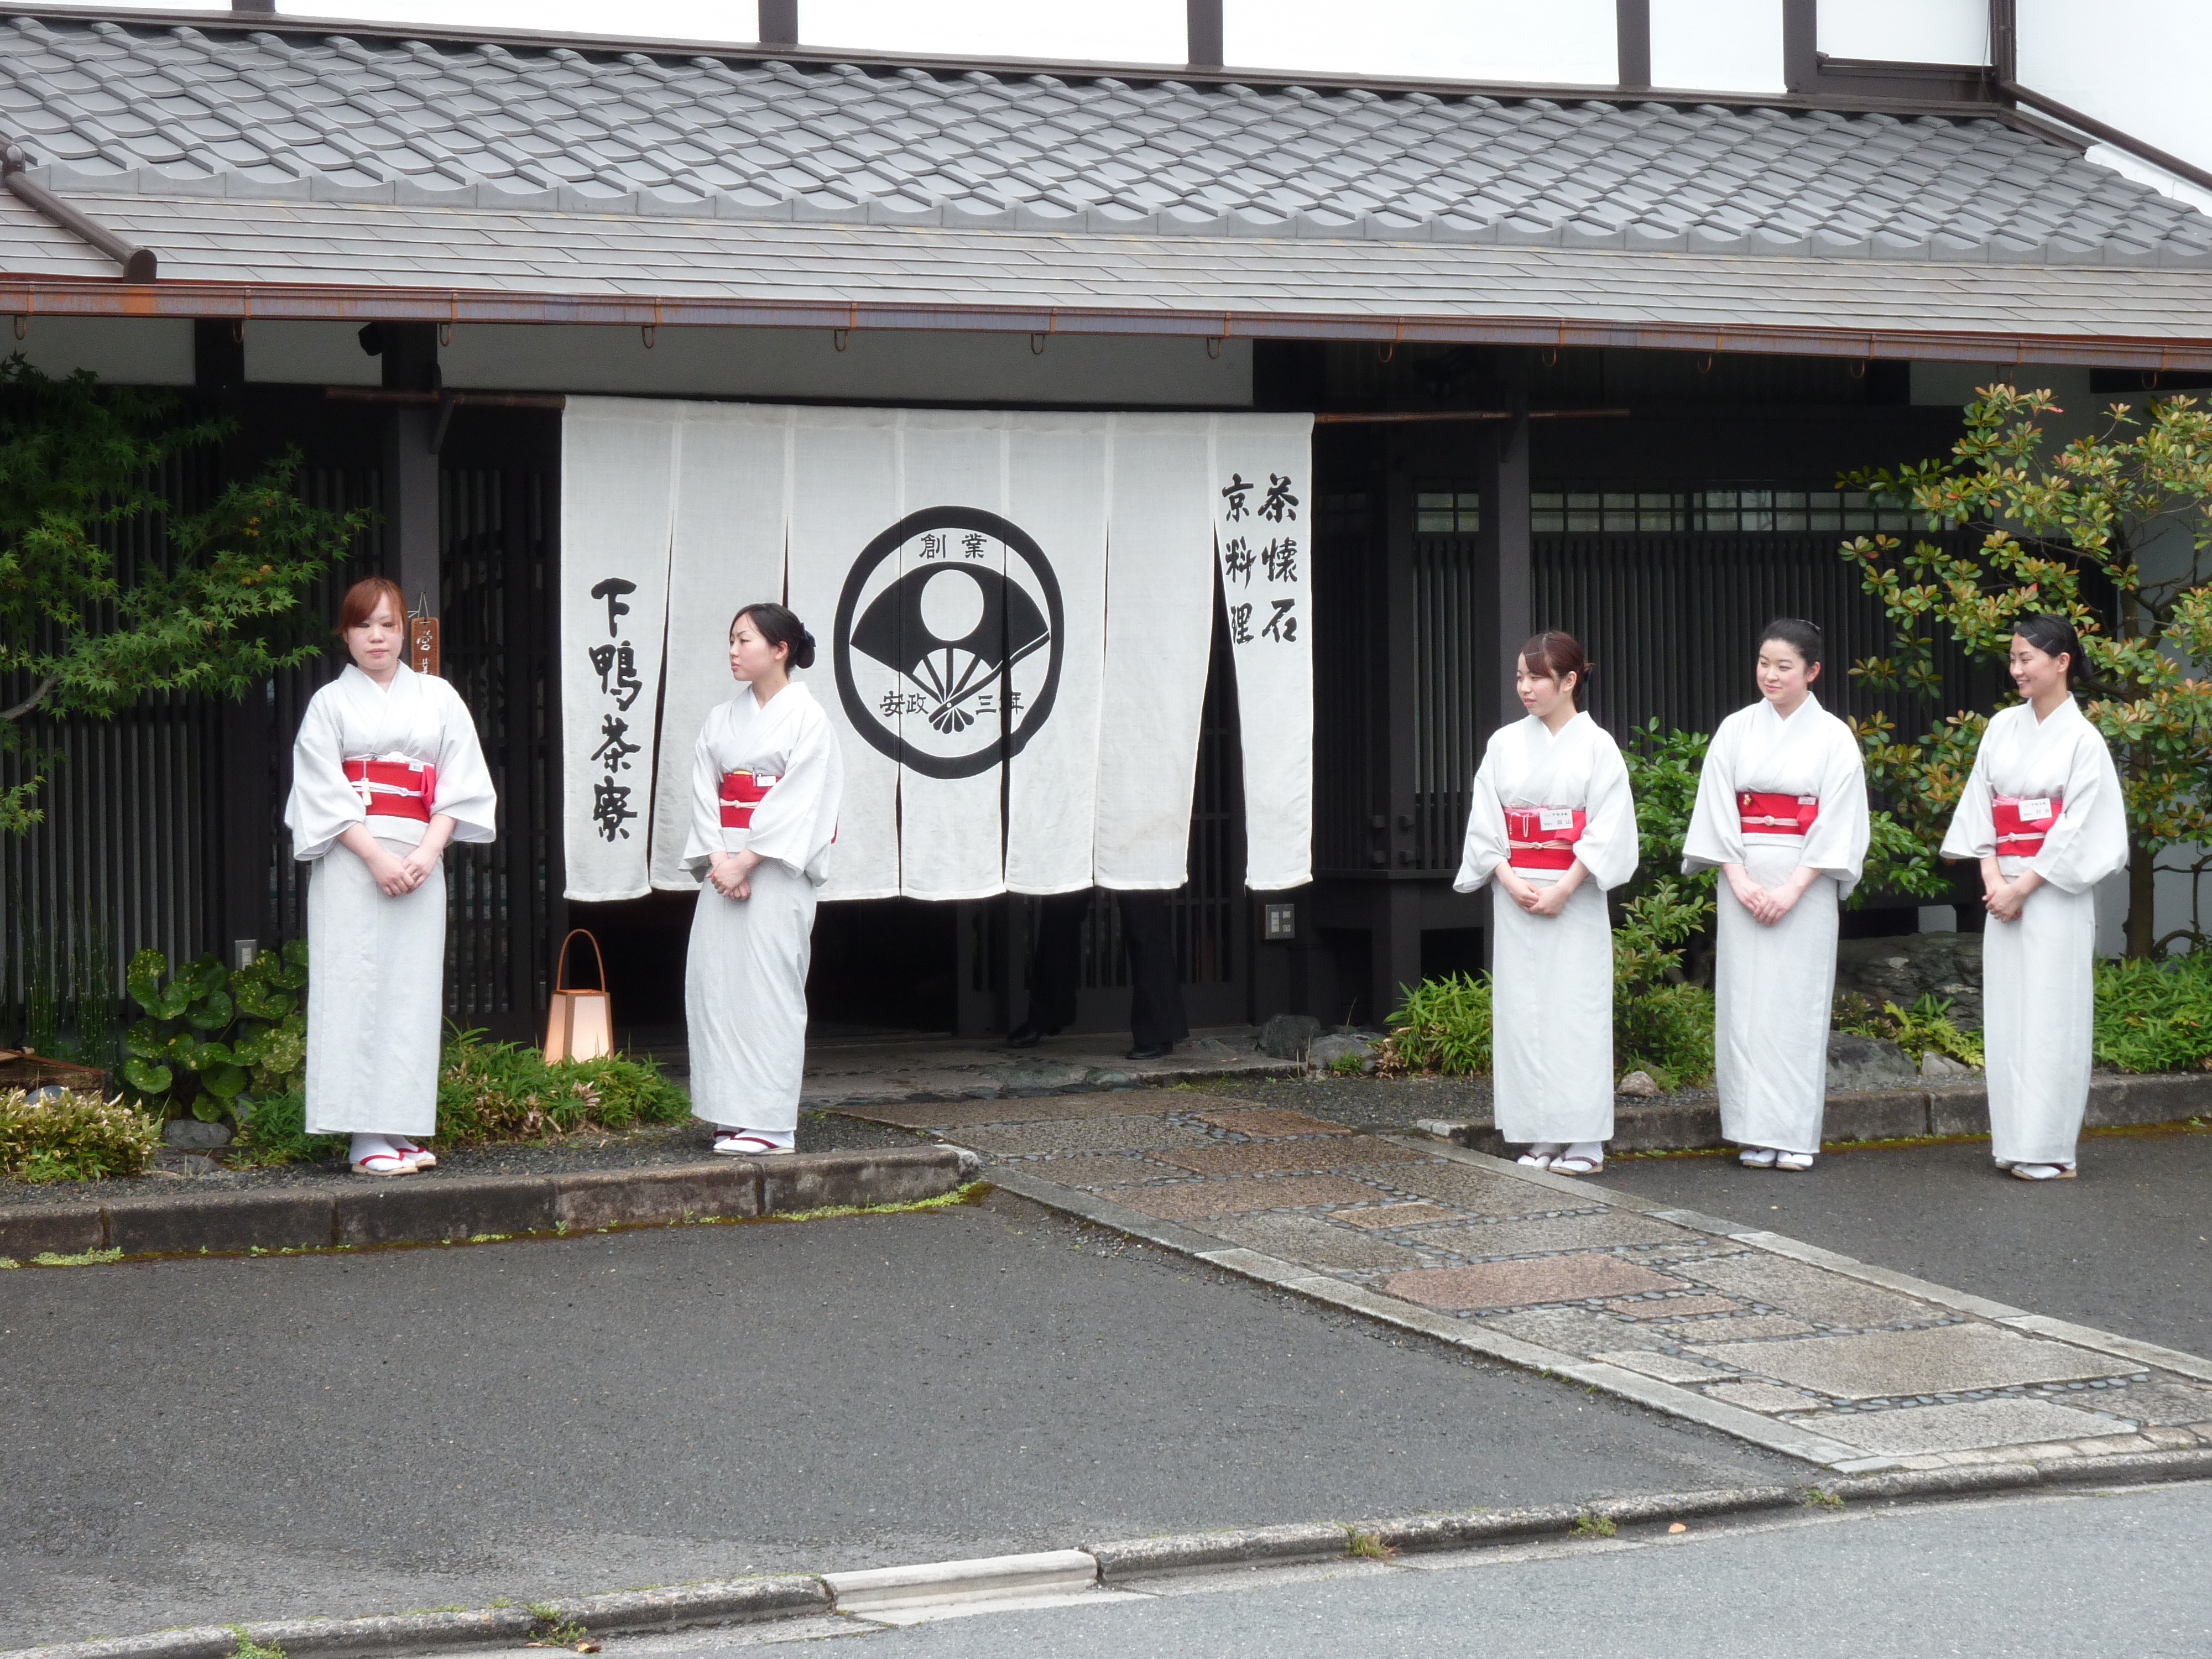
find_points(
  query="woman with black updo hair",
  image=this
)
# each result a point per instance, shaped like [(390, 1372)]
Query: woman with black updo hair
[(2042, 811), (767, 779), (1782, 814)]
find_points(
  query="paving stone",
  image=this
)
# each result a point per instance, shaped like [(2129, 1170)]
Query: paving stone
[(1746, 1328), (1553, 1232), (1949, 1359), (1283, 1157), (1674, 1307), (1522, 1284), (1476, 1190), (1577, 1330), (1667, 1367), (1121, 1133), (1262, 1122), (1761, 1397), (1186, 1200), (1913, 1430), (1096, 1170), (1307, 1239), (1809, 1292), (1396, 1215), (2159, 1402)]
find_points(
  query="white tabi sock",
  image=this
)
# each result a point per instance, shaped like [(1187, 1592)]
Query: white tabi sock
[(1593, 1150), (369, 1147), (774, 1137)]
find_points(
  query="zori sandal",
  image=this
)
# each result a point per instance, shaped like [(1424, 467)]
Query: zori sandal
[(2043, 1171), (383, 1164), (1576, 1164), (1756, 1157), (1798, 1162)]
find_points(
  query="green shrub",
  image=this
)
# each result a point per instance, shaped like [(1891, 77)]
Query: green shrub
[(75, 1137), (492, 1092), (273, 1130), (214, 1043), (1667, 1030), (1924, 1029), (1443, 1026), (2155, 1015)]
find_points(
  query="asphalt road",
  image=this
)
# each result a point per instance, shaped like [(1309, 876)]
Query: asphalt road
[(208, 1442), (2042, 1579), (2127, 1247)]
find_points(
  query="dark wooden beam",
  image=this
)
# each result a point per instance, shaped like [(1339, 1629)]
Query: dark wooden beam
[(1204, 18), (1801, 45), (2004, 40), (1632, 33)]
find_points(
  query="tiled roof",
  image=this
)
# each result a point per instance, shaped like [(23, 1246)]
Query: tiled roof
[(181, 111), (367, 259)]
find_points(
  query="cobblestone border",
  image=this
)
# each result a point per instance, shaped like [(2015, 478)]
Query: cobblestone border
[(433, 1209), (1116, 1564), (2116, 1101)]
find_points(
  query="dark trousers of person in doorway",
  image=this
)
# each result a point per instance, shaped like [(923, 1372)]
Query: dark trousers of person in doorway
[(1156, 1012)]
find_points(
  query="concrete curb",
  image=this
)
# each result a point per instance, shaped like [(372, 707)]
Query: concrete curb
[(1104, 1077), (1117, 1562), (2116, 1101), (434, 1209)]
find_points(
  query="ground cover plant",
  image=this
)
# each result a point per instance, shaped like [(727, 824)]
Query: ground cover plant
[(2155, 1015), (213, 1044), (1924, 1029), (73, 1136)]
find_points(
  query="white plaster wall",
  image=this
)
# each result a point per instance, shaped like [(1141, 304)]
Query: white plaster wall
[(1560, 40), (1087, 371), (126, 351), (1906, 31), (2139, 64), (1718, 46)]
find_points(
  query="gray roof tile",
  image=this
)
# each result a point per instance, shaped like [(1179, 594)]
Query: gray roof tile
[(196, 111)]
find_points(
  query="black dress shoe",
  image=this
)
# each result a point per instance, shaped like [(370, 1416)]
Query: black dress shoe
[(1026, 1035), (1152, 1051)]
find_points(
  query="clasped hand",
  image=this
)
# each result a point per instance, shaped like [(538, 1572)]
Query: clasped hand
[(2005, 899), (1536, 901), (731, 874), (1767, 906), (396, 877)]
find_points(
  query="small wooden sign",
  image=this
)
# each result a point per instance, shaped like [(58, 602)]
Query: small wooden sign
[(423, 644)]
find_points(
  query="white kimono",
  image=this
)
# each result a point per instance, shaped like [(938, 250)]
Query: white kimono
[(745, 985), (376, 966), (1552, 976), (2038, 988), (1776, 985)]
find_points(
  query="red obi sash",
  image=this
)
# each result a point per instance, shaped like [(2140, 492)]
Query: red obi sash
[(2022, 821), (394, 789), (742, 790), (1543, 837), (1777, 815)]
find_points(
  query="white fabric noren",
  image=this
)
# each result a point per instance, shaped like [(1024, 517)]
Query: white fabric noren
[(910, 522)]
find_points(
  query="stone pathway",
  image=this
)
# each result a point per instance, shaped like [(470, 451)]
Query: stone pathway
[(1841, 1363)]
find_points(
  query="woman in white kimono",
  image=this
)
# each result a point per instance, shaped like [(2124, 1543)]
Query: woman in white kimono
[(1553, 824), (767, 779), (385, 771), (2042, 812), (1782, 812)]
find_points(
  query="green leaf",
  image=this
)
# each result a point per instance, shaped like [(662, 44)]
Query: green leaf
[(295, 955), (145, 980), (147, 1040), (212, 1012), (223, 1081), (146, 1079)]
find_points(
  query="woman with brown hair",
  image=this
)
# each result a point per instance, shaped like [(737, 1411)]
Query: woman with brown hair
[(767, 780), (1553, 823), (386, 772)]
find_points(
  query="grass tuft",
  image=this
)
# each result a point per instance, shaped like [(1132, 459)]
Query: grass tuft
[(1592, 1526), (77, 1137)]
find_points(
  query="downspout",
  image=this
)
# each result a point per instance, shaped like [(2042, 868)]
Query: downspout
[(139, 263)]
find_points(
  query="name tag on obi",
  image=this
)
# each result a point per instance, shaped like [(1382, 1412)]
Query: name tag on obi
[(2035, 809), (1555, 818)]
